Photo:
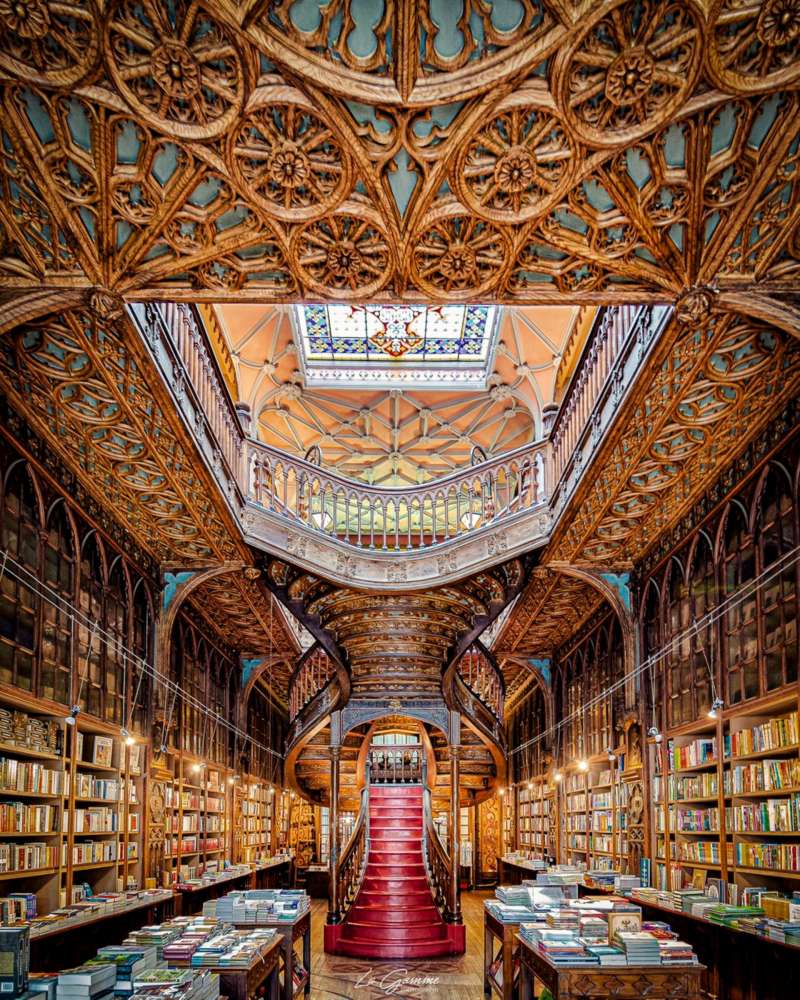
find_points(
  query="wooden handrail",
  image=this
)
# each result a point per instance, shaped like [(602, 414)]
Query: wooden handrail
[(434, 853), (352, 863)]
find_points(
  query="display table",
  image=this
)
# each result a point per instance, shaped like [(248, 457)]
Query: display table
[(192, 897), (627, 982), (497, 934), (278, 874), (738, 963), (512, 871), (290, 933), (259, 979), (316, 879), (56, 946)]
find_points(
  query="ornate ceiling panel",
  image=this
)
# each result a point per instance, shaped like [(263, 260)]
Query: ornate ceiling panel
[(550, 610), (526, 151), (716, 380), (398, 643), (392, 437), (85, 385)]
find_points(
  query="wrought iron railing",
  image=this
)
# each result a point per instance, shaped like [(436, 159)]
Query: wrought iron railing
[(397, 519), (395, 765)]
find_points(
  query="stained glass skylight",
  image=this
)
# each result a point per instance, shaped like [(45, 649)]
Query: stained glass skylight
[(403, 345)]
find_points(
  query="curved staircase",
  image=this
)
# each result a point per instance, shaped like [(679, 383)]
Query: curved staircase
[(394, 914)]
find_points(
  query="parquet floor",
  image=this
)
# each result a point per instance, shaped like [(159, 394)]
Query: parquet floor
[(461, 978)]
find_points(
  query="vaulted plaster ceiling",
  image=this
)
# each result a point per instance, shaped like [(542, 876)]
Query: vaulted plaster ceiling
[(387, 436)]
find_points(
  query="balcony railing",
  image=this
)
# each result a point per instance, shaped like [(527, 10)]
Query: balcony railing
[(397, 519), (612, 360), (301, 493), (395, 765), (312, 673)]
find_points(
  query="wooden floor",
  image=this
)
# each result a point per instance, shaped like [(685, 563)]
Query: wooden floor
[(458, 978)]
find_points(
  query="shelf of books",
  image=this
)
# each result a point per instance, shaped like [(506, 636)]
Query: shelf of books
[(198, 805), (576, 818), (536, 834), (727, 799), (104, 826), (257, 804), (33, 784), (601, 788)]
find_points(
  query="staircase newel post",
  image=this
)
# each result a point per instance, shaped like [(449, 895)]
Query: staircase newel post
[(334, 915), (455, 836)]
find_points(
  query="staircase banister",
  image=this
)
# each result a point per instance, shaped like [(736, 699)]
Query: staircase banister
[(434, 853), (348, 882)]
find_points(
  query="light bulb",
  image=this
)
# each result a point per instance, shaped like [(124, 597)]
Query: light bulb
[(716, 705), (557, 776), (530, 785), (501, 791), (583, 765), (73, 714)]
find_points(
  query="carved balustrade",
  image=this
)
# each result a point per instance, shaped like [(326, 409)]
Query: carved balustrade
[(398, 519), (484, 679), (434, 853), (180, 348), (352, 861), (395, 765), (612, 359), (312, 673)]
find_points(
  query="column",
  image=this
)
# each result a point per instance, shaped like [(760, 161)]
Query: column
[(333, 838), (454, 903)]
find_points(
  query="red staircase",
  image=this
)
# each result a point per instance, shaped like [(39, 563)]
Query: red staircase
[(394, 915)]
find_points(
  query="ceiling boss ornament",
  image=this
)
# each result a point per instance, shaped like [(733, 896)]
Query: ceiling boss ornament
[(290, 161), (55, 43), (343, 256), (630, 69), (176, 65), (515, 166)]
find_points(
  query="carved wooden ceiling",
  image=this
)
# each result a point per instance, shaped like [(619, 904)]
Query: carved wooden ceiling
[(521, 152), (396, 643), (387, 436), (83, 381), (551, 609)]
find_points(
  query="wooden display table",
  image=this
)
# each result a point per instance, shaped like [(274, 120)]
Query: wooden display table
[(55, 947), (289, 933), (511, 872), (192, 897), (738, 963), (627, 982), (246, 984), (495, 933)]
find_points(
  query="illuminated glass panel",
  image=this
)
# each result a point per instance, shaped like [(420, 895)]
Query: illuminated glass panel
[(396, 345)]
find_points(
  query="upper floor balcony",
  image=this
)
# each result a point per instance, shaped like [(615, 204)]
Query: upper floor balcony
[(397, 536)]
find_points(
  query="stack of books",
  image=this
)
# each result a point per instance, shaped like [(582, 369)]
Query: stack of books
[(259, 906), (607, 954), (129, 965), (640, 947), (86, 982)]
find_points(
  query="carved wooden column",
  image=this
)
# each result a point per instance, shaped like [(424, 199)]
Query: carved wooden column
[(334, 915), (454, 903)]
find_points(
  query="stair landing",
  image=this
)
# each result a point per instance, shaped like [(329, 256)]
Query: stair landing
[(394, 915)]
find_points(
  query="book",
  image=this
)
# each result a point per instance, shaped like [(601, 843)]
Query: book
[(102, 750)]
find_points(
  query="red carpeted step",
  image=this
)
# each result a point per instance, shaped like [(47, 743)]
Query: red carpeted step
[(394, 915), (395, 933)]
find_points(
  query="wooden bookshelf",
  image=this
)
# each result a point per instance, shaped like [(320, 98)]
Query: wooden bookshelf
[(257, 804), (537, 816), (727, 794), (33, 783)]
